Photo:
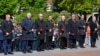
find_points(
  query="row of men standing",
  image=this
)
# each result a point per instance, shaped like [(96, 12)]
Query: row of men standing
[(44, 30)]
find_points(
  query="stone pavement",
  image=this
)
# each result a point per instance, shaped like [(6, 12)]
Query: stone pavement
[(88, 51)]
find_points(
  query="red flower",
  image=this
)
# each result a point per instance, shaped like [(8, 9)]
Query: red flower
[(62, 29)]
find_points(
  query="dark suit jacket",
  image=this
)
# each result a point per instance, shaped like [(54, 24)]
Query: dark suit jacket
[(27, 25), (40, 27), (93, 26), (62, 27), (73, 27), (49, 25), (7, 26), (81, 29)]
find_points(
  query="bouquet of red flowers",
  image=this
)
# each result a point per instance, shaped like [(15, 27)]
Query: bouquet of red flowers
[(62, 29), (73, 34), (41, 29)]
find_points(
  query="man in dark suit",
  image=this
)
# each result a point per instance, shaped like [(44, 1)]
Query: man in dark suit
[(93, 27), (81, 32), (7, 28), (62, 28), (40, 30), (73, 29), (27, 33), (49, 32)]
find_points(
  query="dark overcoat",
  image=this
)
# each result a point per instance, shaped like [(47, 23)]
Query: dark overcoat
[(7, 26), (49, 25), (27, 25), (62, 28), (40, 27), (81, 29)]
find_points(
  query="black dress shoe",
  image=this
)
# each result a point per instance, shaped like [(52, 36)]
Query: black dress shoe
[(41, 50), (24, 52), (29, 51), (63, 48), (5, 53), (82, 47), (47, 49), (93, 46), (10, 53)]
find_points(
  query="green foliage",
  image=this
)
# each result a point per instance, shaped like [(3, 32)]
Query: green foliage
[(38, 6), (20, 17), (33, 4), (8, 6), (77, 6)]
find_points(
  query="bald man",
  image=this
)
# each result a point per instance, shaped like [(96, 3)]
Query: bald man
[(40, 27), (27, 33)]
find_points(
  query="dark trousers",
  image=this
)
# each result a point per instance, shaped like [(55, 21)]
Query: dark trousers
[(81, 40), (48, 42), (63, 42), (18, 44), (93, 42), (26, 45), (1, 45), (7, 44), (93, 39), (40, 44), (35, 45), (72, 40)]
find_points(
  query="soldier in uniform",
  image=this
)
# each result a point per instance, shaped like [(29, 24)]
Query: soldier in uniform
[(27, 33), (7, 28), (40, 30), (62, 29), (49, 32)]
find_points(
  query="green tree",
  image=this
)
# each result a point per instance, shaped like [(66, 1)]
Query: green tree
[(8, 6), (78, 6)]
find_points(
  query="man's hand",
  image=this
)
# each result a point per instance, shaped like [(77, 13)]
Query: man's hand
[(38, 33), (95, 29), (50, 30), (32, 30), (84, 26), (7, 33), (60, 33)]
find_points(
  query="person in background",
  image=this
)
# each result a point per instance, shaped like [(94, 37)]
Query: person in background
[(18, 36), (35, 41), (88, 37), (14, 37), (55, 36), (1, 40), (98, 32)]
